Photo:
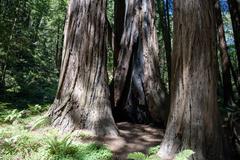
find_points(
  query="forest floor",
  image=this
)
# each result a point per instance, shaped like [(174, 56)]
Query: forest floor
[(133, 138), (25, 135)]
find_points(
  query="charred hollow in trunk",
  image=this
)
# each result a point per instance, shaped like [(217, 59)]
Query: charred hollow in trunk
[(139, 93)]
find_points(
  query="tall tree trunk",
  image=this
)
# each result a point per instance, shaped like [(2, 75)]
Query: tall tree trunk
[(164, 20), (59, 45), (138, 90), (119, 13), (58, 50), (193, 120), (234, 75), (2, 78), (235, 17), (82, 100), (226, 74)]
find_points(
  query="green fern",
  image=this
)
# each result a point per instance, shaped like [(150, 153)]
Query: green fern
[(153, 150), (137, 156), (184, 155), (41, 122), (14, 115), (61, 147)]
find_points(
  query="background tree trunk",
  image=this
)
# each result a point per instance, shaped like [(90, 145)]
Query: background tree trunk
[(138, 90), (165, 26), (82, 100), (235, 17), (119, 13), (2, 78), (193, 121), (226, 74)]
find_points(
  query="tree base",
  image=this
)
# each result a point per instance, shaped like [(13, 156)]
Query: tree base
[(99, 122)]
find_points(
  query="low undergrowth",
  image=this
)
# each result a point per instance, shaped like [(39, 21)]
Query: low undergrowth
[(152, 152), (26, 135)]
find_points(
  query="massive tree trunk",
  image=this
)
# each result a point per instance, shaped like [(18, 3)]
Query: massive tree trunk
[(82, 100), (235, 17), (226, 74), (138, 90), (193, 120)]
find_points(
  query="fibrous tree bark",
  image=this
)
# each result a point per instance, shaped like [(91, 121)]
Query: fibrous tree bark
[(2, 78), (163, 9), (226, 62), (138, 90), (235, 17), (82, 100), (193, 120), (59, 45), (119, 13)]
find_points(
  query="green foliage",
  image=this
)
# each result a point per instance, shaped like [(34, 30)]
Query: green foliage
[(153, 150), (61, 147), (82, 134), (110, 11), (18, 142), (37, 109), (137, 156), (93, 151), (184, 155), (30, 40), (41, 122), (10, 114), (4, 111), (14, 115)]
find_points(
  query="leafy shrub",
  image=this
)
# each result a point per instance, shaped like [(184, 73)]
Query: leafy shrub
[(93, 151), (41, 122), (65, 150), (137, 156), (19, 144), (153, 150), (184, 155), (84, 135), (14, 115), (61, 147), (37, 109)]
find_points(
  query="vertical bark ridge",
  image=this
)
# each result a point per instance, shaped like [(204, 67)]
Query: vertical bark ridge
[(226, 74), (193, 120), (235, 17), (82, 101), (138, 89)]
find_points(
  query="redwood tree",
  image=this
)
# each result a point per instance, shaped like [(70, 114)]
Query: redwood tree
[(82, 100), (164, 24), (193, 120), (235, 17), (226, 62), (138, 90), (119, 12)]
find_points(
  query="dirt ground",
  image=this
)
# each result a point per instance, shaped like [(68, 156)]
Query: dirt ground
[(133, 138)]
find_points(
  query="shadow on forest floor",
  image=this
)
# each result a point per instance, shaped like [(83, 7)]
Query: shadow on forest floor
[(133, 138)]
